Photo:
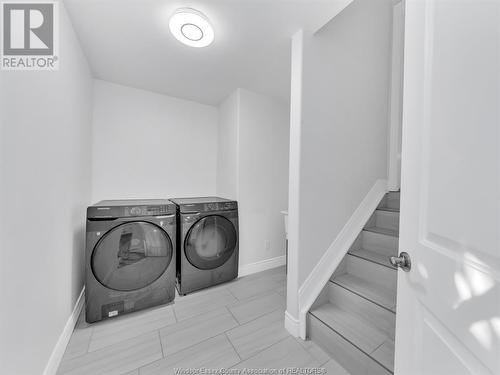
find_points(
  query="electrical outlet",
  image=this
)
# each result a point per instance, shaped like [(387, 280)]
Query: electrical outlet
[(267, 244)]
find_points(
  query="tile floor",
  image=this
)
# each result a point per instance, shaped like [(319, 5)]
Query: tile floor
[(234, 325)]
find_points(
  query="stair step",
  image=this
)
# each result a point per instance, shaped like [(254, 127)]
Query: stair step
[(384, 219), (360, 333), (355, 361), (385, 231), (385, 354), (390, 201), (371, 291), (362, 324), (376, 319), (378, 242), (388, 209), (371, 272), (372, 256), (354, 319)]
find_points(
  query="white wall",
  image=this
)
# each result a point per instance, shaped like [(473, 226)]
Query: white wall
[(340, 100), (227, 151), (44, 190), (254, 134), (264, 132), (148, 145)]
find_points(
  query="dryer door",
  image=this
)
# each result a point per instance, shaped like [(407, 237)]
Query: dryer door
[(210, 242), (131, 256)]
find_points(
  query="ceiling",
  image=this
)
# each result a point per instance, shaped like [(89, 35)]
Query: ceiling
[(129, 42)]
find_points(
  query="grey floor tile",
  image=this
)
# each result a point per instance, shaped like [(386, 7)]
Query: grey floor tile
[(278, 275), (79, 343), (247, 288), (127, 326), (333, 368), (286, 353), (314, 350), (274, 274), (123, 345), (214, 353), (254, 307), (201, 292), (81, 323), (281, 290), (194, 330), (197, 304), (258, 334), (116, 359)]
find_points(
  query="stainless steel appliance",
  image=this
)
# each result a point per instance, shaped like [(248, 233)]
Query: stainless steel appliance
[(207, 251), (130, 256)]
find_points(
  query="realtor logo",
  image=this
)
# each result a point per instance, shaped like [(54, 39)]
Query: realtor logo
[(30, 36)]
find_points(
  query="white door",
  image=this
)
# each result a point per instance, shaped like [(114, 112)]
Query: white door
[(448, 316)]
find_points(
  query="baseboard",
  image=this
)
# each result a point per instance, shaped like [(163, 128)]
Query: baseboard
[(62, 343), (262, 265), (292, 325), (321, 273)]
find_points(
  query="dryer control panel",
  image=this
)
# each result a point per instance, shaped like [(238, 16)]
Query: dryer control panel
[(220, 206), (205, 204), (126, 208)]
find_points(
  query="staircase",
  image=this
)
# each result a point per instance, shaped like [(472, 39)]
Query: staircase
[(354, 317)]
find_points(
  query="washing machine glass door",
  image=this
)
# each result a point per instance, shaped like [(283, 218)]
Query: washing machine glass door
[(210, 242), (131, 256)]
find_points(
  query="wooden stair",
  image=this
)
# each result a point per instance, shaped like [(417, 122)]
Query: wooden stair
[(354, 318)]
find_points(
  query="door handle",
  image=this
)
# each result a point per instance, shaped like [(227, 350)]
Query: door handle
[(403, 261)]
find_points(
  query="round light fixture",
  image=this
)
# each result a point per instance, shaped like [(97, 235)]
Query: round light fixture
[(191, 27)]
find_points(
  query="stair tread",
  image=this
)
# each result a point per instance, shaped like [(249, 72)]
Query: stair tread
[(394, 212), (391, 201), (384, 354), (372, 256), (386, 231), (355, 361), (359, 331), (388, 209), (369, 290)]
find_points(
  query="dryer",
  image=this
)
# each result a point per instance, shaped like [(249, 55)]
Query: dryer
[(207, 250), (130, 256)]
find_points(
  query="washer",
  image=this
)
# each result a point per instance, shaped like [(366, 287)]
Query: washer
[(207, 247), (130, 256)]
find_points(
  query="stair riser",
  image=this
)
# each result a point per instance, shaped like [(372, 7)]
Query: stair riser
[(391, 200), (371, 271), (387, 219), (380, 243), (382, 319), (346, 354)]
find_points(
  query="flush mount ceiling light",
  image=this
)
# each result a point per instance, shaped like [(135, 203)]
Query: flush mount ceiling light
[(191, 27)]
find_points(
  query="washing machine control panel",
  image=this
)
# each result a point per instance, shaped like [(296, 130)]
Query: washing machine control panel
[(146, 210), (132, 210), (220, 206)]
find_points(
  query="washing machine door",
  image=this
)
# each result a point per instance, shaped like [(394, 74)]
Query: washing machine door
[(210, 242), (131, 256)]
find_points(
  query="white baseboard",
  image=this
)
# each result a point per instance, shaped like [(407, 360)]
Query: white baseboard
[(292, 325), (321, 273), (262, 265), (62, 343)]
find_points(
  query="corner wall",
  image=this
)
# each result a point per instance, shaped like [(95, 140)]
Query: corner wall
[(148, 145), (253, 169), (340, 101), (44, 191)]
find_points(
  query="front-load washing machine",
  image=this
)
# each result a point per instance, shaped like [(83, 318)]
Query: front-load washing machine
[(207, 249), (130, 256)]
